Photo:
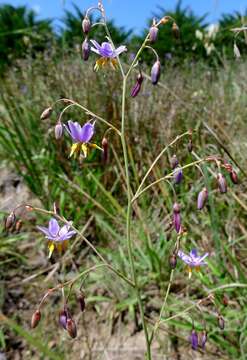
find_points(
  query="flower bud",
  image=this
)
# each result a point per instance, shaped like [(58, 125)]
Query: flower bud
[(222, 183), (221, 322), (105, 146), (173, 261), (190, 145), (137, 87), (174, 161), (225, 300), (10, 220), (194, 340), (153, 33), (71, 328), (58, 130), (234, 177), (202, 198), (81, 300), (155, 72), (203, 339), (62, 319), (178, 175), (35, 319), (175, 31), (46, 113), (18, 226), (176, 217), (85, 50), (86, 25)]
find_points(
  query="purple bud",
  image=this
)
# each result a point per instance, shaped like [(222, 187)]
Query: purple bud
[(46, 113), (202, 198), (234, 177), (174, 161), (176, 217), (71, 328), (86, 25), (153, 34), (137, 87), (155, 72), (63, 318), (222, 183), (58, 130), (178, 175), (194, 340), (85, 50), (35, 319), (203, 339), (173, 261), (221, 322)]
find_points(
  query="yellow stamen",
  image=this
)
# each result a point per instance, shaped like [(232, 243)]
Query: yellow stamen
[(59, 247), (51, 247), (75, 149), (197, 268), (95, 146), (189, 271), (84, 149)]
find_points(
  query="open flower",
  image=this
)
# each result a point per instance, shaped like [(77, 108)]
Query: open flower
[(192, 260), (108, 54), (81, 135), (57, 236)]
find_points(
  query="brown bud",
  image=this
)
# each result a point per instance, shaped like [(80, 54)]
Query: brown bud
[(221, 322), (175, 31), (10, 220), (105, 150), (165, 20), (18, 226), (225, 300), (81, 300), (46, 113), (234, 177), (174, 161), (173, 261), (71, 328), (35, 319), (190, 145), (86, 25)]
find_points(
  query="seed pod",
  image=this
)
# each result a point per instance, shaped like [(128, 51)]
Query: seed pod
[(155, 72), (153, 34), (137, 87), (190, 145), (221, 322), (18, 226), (58, 130), (194, 339), (46, 113), (35, 319), (85, 50), (62, 319), (81, 300), (222, 183), (178, 175), (203, 339), (71, 328), (174, 161), (9, 222), (202, 198), (173, 261), (234, 177), (175, 31), (86, 25)]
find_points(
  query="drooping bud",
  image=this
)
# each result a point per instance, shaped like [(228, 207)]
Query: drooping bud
[(153, 33), (174, 161), (105, 147), (165, 20), (176, 217), (71, 328), (18, 226), (137, 87), (225, 300), (178, 175), (203, 339), (234, 177), (35, 319), (173, 261), (194, 339), (86, 25), (62, 319), (221, 322), (85, 50), (190, 145), (58, 130), (46, 113), (81, 300), (155, 72), (10, 220), (175, 31), (202, 198), (222, 183)]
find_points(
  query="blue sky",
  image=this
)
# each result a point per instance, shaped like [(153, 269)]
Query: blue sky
[(132, 13)]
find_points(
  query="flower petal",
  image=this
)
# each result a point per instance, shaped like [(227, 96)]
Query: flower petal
[(106, 50), (193, 253), (74, 130), (86, 132), (119, 50), (44, 230), (53, 227), (184, 257)]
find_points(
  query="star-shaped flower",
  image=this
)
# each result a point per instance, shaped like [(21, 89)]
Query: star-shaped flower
[(108, 54), (193, 260)]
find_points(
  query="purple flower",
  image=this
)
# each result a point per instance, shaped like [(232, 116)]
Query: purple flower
[(178, 175), (193, 260), (106, 50), (194, 340), (57, 236)]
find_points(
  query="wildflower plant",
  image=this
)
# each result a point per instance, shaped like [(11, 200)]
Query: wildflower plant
[(60, 232)]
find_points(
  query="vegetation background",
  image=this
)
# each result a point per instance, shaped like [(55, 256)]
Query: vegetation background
[(203, 86)]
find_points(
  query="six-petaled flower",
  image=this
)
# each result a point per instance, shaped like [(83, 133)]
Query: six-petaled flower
[(108, 55), (81, 135), (57, 235), (193, 260)]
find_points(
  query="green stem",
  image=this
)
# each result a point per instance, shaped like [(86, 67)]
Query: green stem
[(128, 221)]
